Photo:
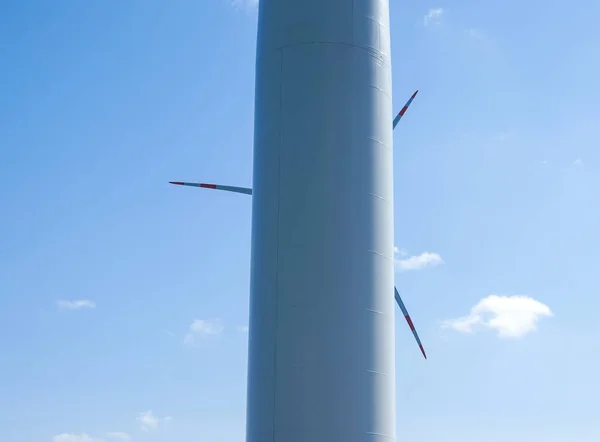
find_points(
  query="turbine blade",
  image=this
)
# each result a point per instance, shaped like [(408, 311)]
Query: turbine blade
[(407, 317), (244, 190), (403, 110)]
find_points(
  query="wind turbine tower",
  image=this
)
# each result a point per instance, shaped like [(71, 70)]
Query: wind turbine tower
[(321, 344)]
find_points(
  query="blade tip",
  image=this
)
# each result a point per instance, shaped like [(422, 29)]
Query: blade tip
[(179, 183)]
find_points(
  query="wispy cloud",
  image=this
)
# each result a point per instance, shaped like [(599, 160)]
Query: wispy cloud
[(464, 35), (474, 33), (244, 4), (83, 437), (404, 262), (578, 162), (201, 328), (433, 16), (118, 435), (75, 305), (149, 422), (243, 329), (508, 316)]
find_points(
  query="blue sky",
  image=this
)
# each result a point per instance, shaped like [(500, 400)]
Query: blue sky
[(123, 300)]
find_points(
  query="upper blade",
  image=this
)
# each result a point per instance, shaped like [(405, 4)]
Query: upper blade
[(403, 110)]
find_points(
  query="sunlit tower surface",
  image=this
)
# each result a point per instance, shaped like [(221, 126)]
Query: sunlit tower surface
[(321, 343)]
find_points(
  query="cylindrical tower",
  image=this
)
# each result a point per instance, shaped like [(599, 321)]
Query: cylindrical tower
[(321, 346)]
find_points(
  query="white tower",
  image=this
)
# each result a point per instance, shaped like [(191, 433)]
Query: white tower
[(321, 345)]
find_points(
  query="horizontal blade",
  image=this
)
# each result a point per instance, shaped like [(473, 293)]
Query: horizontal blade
[(244, 190), (403, 110), (407, 317)]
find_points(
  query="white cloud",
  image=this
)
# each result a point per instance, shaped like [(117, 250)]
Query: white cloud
[(201, 328), (118, 435), (75, 305), (508, 316), (149, 422), (65, 437), (417, 262), (243, 328), (433, 16), (578, 162)]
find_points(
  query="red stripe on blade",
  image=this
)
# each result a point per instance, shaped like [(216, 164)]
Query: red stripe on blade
[(410, 324), (209, 186)]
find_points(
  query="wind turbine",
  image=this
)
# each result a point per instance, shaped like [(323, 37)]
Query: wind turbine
[(248, 191)]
